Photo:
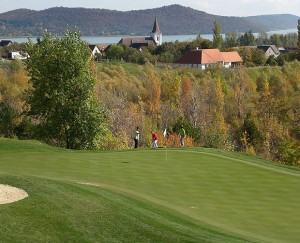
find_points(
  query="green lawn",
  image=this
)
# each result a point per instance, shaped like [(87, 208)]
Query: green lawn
[(146, 195)]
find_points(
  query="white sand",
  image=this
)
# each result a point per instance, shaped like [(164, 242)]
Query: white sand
[(9, 194)]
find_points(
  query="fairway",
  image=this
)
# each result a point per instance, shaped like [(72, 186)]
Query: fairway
[(183, 195)]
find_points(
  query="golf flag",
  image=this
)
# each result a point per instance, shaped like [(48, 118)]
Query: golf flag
[(165, 132)]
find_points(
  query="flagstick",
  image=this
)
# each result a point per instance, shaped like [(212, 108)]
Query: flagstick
[(166, 150), (166, 153)]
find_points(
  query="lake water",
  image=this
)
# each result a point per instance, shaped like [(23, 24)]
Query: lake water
[(166, 38)]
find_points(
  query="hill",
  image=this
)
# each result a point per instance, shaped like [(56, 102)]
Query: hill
[(173, 19)]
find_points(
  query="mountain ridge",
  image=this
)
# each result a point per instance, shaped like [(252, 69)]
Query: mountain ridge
[(173, 20)]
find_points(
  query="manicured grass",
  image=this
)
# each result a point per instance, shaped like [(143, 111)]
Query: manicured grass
[(200, 194), (64, 212)]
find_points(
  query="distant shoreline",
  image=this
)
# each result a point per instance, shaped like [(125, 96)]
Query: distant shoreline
[(113, 39)]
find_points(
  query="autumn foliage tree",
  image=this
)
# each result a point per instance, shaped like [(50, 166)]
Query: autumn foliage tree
[(298, 43), (153, 85), (13, 83)]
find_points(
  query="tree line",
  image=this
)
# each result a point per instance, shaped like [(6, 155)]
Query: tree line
[(70, 101)]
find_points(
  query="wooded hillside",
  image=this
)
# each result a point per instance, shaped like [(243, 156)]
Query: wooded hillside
[(251, 110), (173, 20)]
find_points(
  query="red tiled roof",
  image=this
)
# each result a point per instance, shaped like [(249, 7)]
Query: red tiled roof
[(208, 56), (203, 56), (232, 56), (211, 56)]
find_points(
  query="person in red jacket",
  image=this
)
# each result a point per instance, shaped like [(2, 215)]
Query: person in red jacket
[(154, 140)]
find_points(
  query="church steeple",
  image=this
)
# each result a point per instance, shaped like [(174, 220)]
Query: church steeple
[(155, 27), (156, 34)]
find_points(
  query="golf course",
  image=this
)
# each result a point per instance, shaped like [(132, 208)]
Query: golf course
[(146, 195)]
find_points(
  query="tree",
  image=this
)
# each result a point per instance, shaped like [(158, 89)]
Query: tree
[(115, 52), (247, 39), (231, 39), (262, 38), (13, 83), (246, 54), (298, 44), (217, 37), (61, 99), (277, 39), (258, 57), (153, 85), (271, 61)]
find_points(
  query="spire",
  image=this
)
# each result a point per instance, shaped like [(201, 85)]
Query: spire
[(155, 26)]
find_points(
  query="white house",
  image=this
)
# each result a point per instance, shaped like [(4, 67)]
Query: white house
[(17, 55), (95, 51)]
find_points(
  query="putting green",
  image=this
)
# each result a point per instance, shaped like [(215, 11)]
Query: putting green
[(242, 196)]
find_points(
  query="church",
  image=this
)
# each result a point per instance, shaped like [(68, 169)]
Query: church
[(139, 42)]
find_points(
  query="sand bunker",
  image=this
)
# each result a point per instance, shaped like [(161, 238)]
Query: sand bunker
[(9, 194)]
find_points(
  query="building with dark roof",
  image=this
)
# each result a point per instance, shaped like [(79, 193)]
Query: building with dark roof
[(5, 43), (139, 42), (94, 51), (269, 50)]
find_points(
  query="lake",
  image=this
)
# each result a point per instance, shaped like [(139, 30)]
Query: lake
[(166, 38)]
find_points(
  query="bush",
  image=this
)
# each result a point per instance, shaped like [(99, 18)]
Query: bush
[(288, 152), (172, 140), (7, 120)]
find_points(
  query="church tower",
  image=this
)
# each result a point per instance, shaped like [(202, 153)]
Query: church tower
[(156, 34)]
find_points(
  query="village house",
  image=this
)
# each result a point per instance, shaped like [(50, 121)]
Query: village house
[(17, 55), (5, 43), (95, 51), (269, 50), (231, 59), (138, 42), (103, 47), (204, 58)]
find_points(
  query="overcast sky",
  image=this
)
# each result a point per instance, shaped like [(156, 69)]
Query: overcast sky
[(218, 7)]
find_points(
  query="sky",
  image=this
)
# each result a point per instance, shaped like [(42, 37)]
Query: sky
[(217, 7)]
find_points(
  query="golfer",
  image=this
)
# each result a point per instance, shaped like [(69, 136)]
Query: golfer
[(182, 136), (136, 137), (154, 140)]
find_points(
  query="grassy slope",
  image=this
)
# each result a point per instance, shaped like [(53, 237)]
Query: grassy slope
[(198, 187), (63, 212)]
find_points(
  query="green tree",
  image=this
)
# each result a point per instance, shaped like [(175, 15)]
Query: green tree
[(271, 61), (277, 39), (246, 54), (217, 37), (251, 130), (231, 39), (61, 99), (7, 117), (115, 52), (258, 57), (247, 39), (262, 38)]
